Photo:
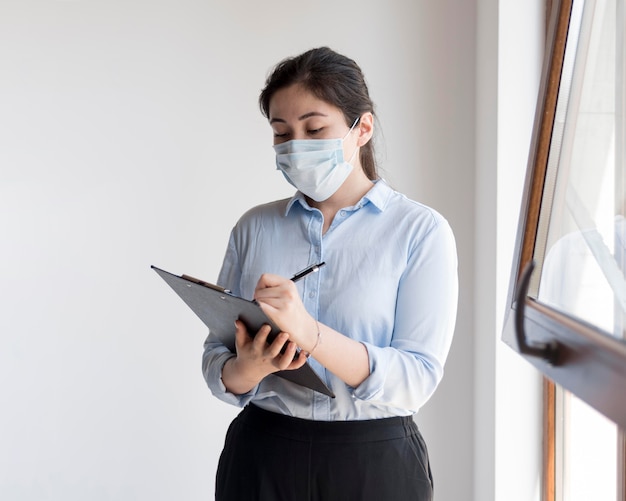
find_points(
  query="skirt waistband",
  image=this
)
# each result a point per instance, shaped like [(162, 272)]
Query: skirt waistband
[(370, 430)]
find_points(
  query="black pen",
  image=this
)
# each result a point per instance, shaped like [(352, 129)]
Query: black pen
[(311, 269)]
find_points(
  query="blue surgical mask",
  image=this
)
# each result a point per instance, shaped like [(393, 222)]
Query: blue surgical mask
[(316, 167)]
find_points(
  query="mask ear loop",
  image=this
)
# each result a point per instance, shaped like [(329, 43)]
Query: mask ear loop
[(351, 128), (344, 138)]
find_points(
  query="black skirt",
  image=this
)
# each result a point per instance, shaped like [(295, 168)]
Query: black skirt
[(272, 457)]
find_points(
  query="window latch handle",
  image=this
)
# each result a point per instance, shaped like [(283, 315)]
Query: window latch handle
[(547, 351)]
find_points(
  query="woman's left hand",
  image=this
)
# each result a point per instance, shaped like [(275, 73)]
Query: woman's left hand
[(279, 299)]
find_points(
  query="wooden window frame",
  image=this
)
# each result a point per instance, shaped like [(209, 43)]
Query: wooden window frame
[(589, 363), (567, 351)]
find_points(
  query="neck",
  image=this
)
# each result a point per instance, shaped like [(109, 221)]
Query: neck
[(349, 193)]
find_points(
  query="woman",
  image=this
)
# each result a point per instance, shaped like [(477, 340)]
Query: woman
[(376, 322)]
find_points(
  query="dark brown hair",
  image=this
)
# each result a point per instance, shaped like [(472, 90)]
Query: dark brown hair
[(331, 77)]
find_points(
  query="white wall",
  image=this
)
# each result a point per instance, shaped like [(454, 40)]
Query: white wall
[(130, 136), (443, 176), (507, 434)]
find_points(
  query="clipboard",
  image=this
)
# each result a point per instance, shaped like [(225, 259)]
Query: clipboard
[(219, 309)]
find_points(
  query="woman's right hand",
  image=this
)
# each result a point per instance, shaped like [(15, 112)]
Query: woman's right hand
[(256, 358)]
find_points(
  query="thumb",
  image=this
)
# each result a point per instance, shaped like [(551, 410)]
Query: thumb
[(241, 334)]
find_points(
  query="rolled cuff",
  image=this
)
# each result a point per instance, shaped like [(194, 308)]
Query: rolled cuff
[(212, 365)]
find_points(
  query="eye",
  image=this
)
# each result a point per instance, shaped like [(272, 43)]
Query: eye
[(313, 132), (280, 135)]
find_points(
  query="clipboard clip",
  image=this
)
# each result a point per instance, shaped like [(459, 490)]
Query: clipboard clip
[(206, 284)]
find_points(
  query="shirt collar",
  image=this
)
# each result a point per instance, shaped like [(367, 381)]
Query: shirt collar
[(378, 196)]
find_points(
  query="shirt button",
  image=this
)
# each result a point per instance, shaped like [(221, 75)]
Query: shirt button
[(311, 294), (342, 213)]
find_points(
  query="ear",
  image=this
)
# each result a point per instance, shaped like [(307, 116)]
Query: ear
[(365, 128)]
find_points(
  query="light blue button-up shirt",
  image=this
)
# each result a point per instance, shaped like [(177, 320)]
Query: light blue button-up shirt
[(390, 282)]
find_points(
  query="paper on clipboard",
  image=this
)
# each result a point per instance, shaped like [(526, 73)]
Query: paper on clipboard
[(219, 309)]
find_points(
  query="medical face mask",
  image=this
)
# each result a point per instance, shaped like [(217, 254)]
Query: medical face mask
[(314, 166)]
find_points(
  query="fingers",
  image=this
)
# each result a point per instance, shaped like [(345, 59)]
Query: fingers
[(260, 342), (291, 359), (278, 345), (281, 353), (297, 362), (270, 288), (270, 280), (242, 338), (279, 299)]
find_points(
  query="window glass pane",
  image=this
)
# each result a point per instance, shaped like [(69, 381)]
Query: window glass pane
[(583, 235), (586, 453)]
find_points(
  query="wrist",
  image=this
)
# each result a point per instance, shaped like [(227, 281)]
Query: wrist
[(236, 378), (318, 340), (246, 372)]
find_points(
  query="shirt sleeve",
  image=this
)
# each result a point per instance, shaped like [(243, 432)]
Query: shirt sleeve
[(215, 353), (405, 374)]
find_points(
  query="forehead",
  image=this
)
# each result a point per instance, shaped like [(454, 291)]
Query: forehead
[(294, 102)]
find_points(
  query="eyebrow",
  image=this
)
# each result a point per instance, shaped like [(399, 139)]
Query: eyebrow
[(302, 117)]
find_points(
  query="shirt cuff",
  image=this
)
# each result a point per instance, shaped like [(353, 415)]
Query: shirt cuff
[(373, 386), (213, 376)]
